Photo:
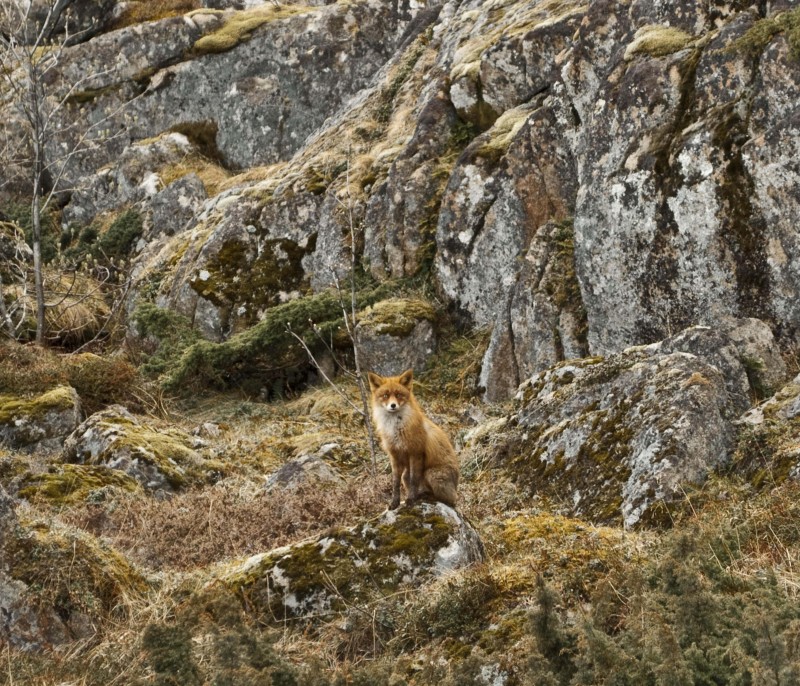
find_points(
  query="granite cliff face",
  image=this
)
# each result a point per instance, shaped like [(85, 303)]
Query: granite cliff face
[(577, 177)]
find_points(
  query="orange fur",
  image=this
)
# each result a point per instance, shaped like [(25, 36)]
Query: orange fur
[(421, 454)]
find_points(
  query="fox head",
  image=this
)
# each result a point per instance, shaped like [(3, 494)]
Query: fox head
[(391, 393)]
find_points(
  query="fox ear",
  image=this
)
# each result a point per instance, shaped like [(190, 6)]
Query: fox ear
[(375, 381), (406, 378)]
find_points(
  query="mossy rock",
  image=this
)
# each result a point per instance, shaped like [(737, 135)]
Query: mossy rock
[(60, 584), (158, 458), (67, 484), (39, 423), (616, 440), (396, 334), (315, 578)]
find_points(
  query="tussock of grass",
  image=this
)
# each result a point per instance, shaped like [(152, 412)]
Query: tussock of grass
[(239, 26), (140, 11), (658, 41)]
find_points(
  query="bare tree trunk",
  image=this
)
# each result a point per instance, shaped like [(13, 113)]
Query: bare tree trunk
[(38, 277)]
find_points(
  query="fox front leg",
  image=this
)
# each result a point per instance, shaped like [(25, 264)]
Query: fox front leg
[(395, 489)]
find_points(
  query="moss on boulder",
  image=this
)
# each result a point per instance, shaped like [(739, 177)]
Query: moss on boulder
[(66, 484), (58, 585), (40, 423), (158, 458), (617, 439), (396, 334), (323, 575)]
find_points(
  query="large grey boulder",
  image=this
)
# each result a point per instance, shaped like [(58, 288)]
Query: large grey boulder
[(616, 439), (41, 423), (400, 549)]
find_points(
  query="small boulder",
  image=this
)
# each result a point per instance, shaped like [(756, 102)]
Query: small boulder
[(402, 548), (39, 424), (303, 470), (160, 459), (395, 335)]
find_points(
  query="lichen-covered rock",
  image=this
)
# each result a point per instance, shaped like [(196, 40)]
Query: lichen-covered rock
[(402, 548), (616, 439), (42, 423), (543, 320), (133, 177), (302, 471), (395, 335), (174, 207), (158, 458), (57, 585)]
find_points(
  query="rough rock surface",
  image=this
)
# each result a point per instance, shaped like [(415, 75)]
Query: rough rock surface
[(462, 139), (400, 548), (302, 471), (42, 423), (159, 459), (618, 438), (395, 335)]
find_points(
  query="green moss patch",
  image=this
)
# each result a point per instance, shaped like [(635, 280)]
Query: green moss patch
[(397, 316), (313, 579), (56, 400), (762, 32), (267, 355), (71, 483)]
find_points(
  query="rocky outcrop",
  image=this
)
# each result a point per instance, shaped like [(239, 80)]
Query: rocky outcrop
[(399, 549), (396, 334), (42, 423), (578, 178), (618, 438), (160, 459)]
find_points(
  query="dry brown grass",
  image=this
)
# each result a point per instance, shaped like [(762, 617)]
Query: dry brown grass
[(140, 11), (230, 520), (99, 381)]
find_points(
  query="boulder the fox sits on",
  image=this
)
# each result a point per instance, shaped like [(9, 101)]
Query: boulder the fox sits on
[(420, 452)]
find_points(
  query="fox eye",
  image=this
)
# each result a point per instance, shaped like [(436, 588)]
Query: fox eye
[(385, 396), (401, 397)]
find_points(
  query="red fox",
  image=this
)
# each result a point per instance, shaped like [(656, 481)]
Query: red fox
[(420, 452)]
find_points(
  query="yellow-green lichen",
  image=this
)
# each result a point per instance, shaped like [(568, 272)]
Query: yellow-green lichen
[(239, 26), (396, 316), (56, 400), (72, 483), (657, 41)]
